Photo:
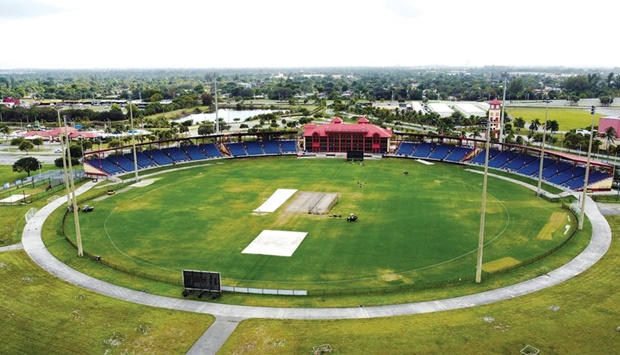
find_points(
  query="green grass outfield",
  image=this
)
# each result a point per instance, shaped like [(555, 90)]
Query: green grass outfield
[(579, 316), (417, 228), (568, 118), (54, 317)]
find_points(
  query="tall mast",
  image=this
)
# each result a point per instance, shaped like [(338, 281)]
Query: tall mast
[(217, 121)]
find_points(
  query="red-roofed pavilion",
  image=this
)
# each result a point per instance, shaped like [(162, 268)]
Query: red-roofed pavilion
[(340, 137)]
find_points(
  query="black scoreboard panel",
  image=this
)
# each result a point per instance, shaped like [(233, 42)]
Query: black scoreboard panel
[(355, 155), (202, 280)]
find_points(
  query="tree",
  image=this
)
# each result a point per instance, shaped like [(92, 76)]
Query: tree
[(519, 123), (114, 143), (26, 145), (534, 124), (224, 126), (610, 136), (573, 140), (207, 99), (157, 97), (206, 128), (553, 126), (606, 100), (445, 125), (75, 150), (58, 162), (86, 144), (26, 164), (38, 142)]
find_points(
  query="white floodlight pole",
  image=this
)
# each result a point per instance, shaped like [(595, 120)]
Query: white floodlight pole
[(64, 160), (585, 181), (501, 119), (484, 205), (76, 216), (542, 152), (133, 141), (217, 121)]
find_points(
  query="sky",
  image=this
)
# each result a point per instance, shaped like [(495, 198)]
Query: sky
[(91, 34)]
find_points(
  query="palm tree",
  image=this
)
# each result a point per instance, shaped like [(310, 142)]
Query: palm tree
[(553, 126), (534, 124), (610, 136)]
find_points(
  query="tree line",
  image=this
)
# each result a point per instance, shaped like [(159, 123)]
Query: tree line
[(186, 88)]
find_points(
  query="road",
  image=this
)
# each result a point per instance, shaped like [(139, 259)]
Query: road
[(45, 153)]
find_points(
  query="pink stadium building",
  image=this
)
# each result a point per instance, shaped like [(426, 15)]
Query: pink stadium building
[(340, 137)]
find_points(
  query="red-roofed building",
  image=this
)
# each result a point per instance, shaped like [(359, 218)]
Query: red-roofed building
[(53, 134), (340, 137), (10, 102)]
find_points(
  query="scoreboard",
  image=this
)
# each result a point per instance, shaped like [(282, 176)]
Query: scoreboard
[(194, 280)]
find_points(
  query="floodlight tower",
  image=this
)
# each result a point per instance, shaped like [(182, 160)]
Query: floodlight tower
[(64, 161), (76, 216), (217, 121), (585, 180), (133, 141), (501, 120), (542, 151), (484, 196)]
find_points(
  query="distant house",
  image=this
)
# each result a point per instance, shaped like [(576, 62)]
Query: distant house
[(10, 102), (52, 135)]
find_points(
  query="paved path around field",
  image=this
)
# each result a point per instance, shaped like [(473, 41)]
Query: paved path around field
[(17, 246), (611, 209), (228, 316)]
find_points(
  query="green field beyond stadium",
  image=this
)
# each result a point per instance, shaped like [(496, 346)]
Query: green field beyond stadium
[(417, 223)]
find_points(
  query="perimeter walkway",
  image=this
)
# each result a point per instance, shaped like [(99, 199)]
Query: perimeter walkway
[(228, 316)]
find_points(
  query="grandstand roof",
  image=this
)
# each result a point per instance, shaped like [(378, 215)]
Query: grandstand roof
[(338, 126), (573, 157)]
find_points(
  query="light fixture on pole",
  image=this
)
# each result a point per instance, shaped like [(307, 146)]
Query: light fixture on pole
[(542, 151), (484, 206), (585, 180)]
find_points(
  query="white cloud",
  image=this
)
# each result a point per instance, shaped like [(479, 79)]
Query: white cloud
[(276, 33)]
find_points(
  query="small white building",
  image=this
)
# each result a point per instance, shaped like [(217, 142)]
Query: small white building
[(442, 110), (417, 106), (469, 110)]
